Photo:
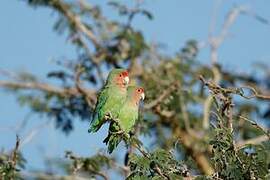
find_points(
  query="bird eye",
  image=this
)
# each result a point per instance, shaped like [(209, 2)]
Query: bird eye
[(120, 75)]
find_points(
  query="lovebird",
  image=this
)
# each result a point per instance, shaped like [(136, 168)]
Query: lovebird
[(110, 99), (126, 119)]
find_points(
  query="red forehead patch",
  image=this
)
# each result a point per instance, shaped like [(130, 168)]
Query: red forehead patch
[(125, 73)]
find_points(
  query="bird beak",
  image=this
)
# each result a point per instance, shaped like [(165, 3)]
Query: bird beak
[(126, 80), (142, 96)]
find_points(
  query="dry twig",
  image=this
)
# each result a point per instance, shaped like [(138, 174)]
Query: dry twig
[(256, 125)]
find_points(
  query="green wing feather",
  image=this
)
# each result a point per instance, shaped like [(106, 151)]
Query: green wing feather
[(96, 121), (126, 120), (109, 101)]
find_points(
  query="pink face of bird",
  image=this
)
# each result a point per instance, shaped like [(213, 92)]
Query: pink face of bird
[(140, 94), (122, 78)]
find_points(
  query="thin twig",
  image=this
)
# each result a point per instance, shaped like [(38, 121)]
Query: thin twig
[(142, 151), (32, 133), (101, 174), (13, 157), (254, 94), (159, 172), (215, 88), (253, 123), (93, 59), (216, 41), (185, 116)]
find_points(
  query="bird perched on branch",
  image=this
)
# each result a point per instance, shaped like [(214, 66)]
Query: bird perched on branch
[(110, 99), (126, 118)]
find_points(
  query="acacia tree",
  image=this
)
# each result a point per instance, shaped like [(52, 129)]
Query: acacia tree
[(200, 117)]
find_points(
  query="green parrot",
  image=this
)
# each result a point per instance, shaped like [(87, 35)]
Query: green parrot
[(110, 99), (126, 118)]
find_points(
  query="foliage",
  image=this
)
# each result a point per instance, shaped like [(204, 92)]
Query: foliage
[(91, 165), (10, 164), (198, 116), (158, 165)]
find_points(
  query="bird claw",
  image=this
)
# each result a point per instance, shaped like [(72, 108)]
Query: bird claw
[(119, 132), (127, 135), (108, 116), (116, 121), (123, 133)]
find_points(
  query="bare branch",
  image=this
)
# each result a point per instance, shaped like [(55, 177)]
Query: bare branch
[(38, 86), (32, 133), (208, 101), (256, 125), (172, 87), (214, 17), (215, 88), (101, 174), (90, 101), (257, 140), (46, 88), (200, 157), (185, 117), (142, 151), (254, 94), (76, 21), (159, 172), (216, 41), (93, 59), (13, 157)]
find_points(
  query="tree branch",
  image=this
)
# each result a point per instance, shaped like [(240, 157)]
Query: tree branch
[(93, 59), (254, 94), (46, 88), (90, 101), (215, 88), (257, 140), (253, 123), (13, 157), (76, 21), (199, 157), (215, 42), (172, 87)]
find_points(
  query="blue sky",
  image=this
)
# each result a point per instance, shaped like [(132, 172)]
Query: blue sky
[(27, 42)]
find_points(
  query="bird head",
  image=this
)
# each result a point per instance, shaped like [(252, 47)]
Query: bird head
[(119, 77)]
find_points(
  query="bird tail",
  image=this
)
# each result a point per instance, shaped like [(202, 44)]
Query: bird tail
[(94, 124), (112, 140)]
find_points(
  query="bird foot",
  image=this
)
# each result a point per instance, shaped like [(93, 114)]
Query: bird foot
[(108, 116), (123, 133), (119, 132)]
